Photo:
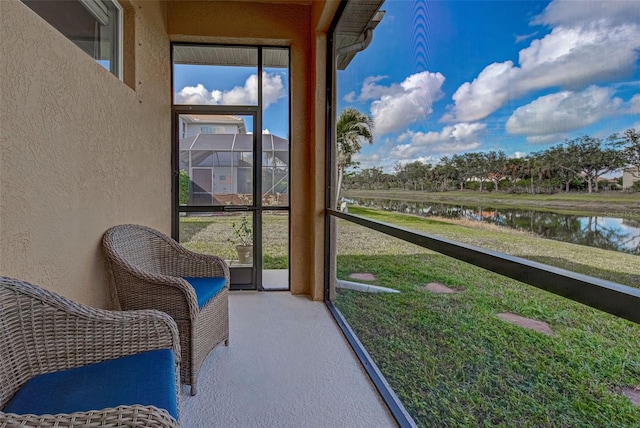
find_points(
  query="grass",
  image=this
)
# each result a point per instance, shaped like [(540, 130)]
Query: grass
[(454, 363), (214, 235)]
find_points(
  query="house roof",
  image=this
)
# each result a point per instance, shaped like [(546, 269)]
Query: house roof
[(233, 142)]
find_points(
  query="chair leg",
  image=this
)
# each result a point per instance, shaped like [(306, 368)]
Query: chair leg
[(193, 389), (226, 342)]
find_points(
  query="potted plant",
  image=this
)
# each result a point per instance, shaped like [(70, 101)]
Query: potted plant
[(243, 238)]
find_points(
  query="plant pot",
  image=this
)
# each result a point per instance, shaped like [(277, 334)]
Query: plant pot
[(245, 254)]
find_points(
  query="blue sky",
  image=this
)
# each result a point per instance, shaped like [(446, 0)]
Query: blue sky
[(447, 77), (200, 84)]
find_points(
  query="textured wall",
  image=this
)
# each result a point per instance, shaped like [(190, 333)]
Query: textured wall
[(80, 150), (291, 25)]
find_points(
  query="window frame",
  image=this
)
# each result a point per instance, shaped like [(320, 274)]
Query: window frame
[(93, 7)]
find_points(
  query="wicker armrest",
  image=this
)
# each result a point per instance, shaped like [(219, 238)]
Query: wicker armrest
[(123, 416), (168, 293)]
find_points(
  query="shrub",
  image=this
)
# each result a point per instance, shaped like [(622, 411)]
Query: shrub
[(185, 187), (472, 185)]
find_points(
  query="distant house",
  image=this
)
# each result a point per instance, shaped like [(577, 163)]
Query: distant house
[(195, 124), (217, 153), (630, 176)]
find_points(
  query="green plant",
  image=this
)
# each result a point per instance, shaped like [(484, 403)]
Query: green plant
[(185, 187), (242, 231)]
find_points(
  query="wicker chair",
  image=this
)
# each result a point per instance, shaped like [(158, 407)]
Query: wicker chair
[(42, 333), (148, 271)]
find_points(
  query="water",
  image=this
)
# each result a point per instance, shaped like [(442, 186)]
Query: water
[(609, 233)]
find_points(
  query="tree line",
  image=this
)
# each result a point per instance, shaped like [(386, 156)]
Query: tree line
[(576, 164)]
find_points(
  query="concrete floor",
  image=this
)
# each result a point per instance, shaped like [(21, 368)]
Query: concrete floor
[(275, 279), (287, 365)]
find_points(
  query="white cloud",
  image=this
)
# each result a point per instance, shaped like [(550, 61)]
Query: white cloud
[(451, 139), (272, 91), (590, 41), (350, 97), (367, 159), (522, 38), (567, 13), (634, 104), (400, 104), (197, 95), (554, 114), (371, 90), (487, 93)]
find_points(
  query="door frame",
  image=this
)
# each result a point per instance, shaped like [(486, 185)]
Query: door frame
[(239, 275), (257, 209)]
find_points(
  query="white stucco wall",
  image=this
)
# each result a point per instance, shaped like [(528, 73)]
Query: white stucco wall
[(80, 150)]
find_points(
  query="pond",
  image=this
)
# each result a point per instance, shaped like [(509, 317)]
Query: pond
[(609, 233)]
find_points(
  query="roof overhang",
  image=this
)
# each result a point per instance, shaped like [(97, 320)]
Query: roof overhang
[(355, 29)]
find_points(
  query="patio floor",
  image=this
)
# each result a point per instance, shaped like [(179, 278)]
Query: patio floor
[(287, 365)]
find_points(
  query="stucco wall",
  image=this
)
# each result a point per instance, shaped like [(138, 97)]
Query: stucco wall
[(80, 150), (279, 24)]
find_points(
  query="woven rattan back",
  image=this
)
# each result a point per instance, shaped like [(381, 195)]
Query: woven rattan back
[(13, 351), (137, 246)]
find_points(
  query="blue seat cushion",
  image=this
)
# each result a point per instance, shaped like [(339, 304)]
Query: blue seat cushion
[(206, 288), (147, 378)]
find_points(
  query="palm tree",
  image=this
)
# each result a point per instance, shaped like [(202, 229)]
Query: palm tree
[(352, 129)]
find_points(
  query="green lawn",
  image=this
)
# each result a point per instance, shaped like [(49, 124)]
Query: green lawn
[(454, 363), (448, 357), (214, 235)]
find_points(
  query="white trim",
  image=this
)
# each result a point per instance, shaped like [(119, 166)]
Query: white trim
[(98, 9), (120, 31)]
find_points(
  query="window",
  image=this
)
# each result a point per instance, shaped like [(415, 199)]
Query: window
[(211, 130), (95, 26)]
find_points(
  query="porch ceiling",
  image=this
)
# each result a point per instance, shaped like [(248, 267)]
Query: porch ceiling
[(357, 18), (228, 55)]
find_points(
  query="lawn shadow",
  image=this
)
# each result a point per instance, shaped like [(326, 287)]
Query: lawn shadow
[(188, 229)]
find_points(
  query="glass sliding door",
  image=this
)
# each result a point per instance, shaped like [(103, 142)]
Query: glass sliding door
[(216, 211), (231, 173)]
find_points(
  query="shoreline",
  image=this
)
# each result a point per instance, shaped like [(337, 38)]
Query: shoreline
[(610, 204)]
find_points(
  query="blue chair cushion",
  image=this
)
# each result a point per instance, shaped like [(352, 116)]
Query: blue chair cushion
[(147, 378), (206, 288)]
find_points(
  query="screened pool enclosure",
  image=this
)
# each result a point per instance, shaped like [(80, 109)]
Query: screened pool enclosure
[(220, 169)]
